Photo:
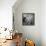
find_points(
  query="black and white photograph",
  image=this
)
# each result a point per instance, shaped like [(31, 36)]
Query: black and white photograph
[(28, 18)]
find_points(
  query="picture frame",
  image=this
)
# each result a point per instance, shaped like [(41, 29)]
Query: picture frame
[(28, 18)]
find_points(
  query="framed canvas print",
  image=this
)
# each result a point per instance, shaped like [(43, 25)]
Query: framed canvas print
[(28, 18)]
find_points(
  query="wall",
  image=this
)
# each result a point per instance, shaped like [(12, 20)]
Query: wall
[(43, 22), (29, 32), (6, 13)]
